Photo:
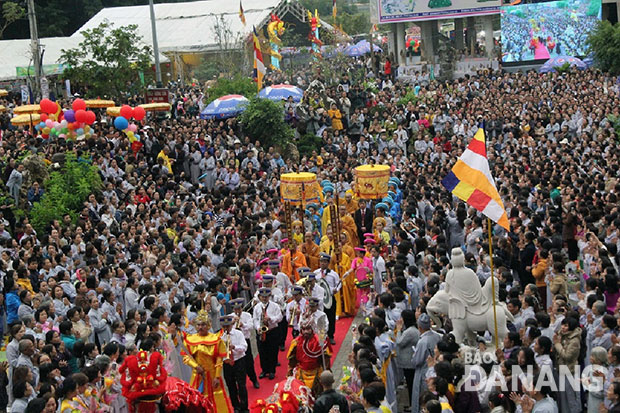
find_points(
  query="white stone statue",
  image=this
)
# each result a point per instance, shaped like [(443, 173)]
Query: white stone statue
[(467, 304)]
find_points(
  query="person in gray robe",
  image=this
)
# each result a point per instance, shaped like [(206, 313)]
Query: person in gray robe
[(14, 184), (194, 164), (426, 347)]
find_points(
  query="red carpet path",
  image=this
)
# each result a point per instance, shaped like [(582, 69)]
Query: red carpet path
[(266, 385)]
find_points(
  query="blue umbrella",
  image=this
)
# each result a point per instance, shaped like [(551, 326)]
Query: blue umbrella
[(558, 61), (224, 107), (365, 46), (354, 51), (279, 92)]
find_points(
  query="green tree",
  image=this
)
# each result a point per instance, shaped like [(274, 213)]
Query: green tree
[(238, 85), (108, 60), (65, 192), (11, 12), (263, 120), (604, 43), (353, 23)]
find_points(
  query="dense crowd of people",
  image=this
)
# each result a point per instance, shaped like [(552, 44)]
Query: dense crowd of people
[(187, 239)]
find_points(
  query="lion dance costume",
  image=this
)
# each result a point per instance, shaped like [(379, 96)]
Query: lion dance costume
[(146, 383)]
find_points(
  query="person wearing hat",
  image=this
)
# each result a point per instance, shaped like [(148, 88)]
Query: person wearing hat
[(361, 267), (266, 316), (316, 291), (424, 348), (279, 293), (205, 353), (308, 356), (363, 218), (243, 322), (234, 363), (295, 309), (333, 280), (292, 259), (318, 316), (311, 251)]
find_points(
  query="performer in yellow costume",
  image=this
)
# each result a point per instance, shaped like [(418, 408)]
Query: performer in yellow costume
[(298, 232), (206, 355)]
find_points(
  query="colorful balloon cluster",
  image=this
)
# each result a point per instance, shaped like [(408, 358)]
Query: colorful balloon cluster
[(122, 122), (67, 124)]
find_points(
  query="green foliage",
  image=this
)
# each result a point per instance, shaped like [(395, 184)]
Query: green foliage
[(239, 85), (410, 96), (615, 122), (308, 143), (604, 43), (11, 12), (433, 4), (564, 68), (353, 23), (263, 120), (108, 60), (65, 192), (562, 4), (594, 8)]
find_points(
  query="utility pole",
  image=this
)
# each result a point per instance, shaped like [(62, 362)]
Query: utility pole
[(34, 47), (155, 45)]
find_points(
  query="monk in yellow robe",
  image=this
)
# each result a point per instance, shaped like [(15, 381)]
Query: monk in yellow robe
[(348, 224), (298, 232), (327, 241), (206, 355), (350, 204), (348, 290), (311, 251), (292, 260)]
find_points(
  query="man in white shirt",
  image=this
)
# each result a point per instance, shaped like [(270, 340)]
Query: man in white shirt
[(319, 318), (378, 269), (333, 280), (267, 315), (295, 309), (244, 323), (277, 296), (234, 365)]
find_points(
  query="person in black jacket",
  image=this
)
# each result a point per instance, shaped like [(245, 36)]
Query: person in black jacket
[(363, 218), (330, 397)]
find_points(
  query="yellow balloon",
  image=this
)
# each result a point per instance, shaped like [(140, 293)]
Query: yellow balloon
[(129, 134), (132, 138), (46, 130), (86, 128)]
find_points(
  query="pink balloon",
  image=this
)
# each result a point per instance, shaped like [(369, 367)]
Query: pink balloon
[(132, 127), (49, 123)]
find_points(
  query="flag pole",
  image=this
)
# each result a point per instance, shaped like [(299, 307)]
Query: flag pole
[(492, 280)]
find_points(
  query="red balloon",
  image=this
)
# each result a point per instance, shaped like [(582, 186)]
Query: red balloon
[(71, 126), (48, 106), (44, 117), (81, 116), (139, 113), (91, 117), (79, 104), (126, 112)]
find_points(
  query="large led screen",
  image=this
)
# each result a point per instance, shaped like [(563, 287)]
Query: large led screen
[(391, 11), (538, 31)]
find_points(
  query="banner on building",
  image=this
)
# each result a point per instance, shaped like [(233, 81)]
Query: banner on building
[(393, 11)]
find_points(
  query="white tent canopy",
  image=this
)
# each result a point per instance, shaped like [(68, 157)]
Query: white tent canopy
[(187, 27), (181, 27)]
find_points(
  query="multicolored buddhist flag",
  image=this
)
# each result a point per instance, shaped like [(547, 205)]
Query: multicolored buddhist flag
[(241, 15), (471, 181), (259, 66), (374, 28), (334, 9)]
